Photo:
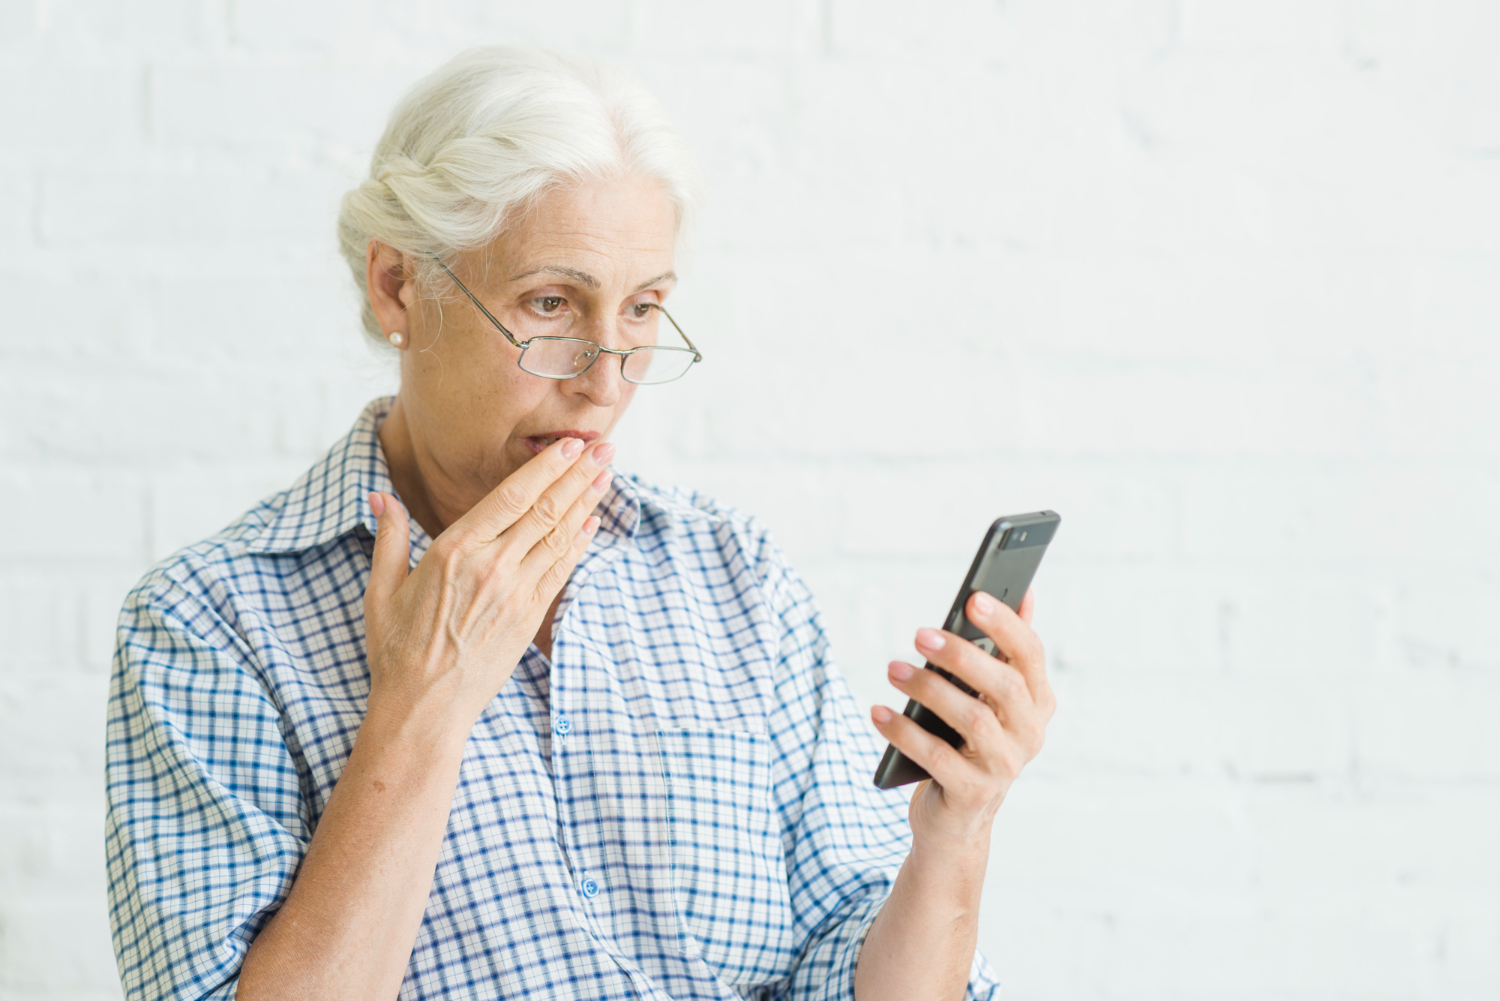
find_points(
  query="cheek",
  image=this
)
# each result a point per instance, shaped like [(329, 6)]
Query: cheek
[(500, 396), (471, 379)]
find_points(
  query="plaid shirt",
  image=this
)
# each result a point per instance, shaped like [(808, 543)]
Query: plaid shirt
[(677, 805)]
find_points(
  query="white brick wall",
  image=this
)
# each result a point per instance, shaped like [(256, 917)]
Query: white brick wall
[(1216, 279)]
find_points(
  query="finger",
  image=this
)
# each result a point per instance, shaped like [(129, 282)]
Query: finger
[(557, 574), (392, 557), (1028, 606), (503, 506), (553, 504), (936, 755), (555, 544), (1013, 637), (974, 720), (1003, 688)]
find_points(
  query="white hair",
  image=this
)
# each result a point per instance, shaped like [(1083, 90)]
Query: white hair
[(477, 142)]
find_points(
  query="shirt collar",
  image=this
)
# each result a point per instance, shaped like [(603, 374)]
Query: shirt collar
[(331, 499)]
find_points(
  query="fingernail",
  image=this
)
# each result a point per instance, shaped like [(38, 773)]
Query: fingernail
[(900, 670), (602, 480), (377, 504), (571, 447), (930, 639), (983, 603), (882, 714), (605, 453), (591, 524)]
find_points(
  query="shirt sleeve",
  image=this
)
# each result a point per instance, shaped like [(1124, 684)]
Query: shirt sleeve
[(845, 839), (206, 819)]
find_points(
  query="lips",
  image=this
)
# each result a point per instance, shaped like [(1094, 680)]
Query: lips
[(539, 442)]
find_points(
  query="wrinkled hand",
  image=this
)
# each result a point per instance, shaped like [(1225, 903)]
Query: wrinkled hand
[(445, 639), (1002, 728)]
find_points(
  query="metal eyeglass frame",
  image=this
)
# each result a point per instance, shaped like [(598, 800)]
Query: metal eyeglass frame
[(599, 349)]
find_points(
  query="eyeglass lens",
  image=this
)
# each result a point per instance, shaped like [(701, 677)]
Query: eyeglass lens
[(559, 358)]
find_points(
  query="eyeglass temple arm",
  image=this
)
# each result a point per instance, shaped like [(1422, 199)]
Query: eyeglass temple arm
[(487, 315), (697, 355)]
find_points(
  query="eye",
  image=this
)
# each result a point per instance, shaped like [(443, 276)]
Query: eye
[(548, 305), (641, 310)]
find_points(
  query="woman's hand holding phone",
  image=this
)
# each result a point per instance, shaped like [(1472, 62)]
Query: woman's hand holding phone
[(921, 944), (1003, 726)]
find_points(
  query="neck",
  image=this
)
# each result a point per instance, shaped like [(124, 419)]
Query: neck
[(405, 465)]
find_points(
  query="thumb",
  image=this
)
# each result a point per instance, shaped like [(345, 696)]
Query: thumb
[(392, 558)]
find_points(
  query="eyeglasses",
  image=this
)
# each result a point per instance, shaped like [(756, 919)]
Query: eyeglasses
[(557, 356)]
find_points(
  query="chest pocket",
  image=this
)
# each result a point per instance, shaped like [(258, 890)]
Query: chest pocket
[(728, 870)]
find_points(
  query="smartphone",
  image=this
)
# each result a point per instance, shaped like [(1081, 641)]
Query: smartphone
[(1007, 560)]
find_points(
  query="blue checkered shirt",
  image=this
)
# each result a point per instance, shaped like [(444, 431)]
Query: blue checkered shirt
[(677, 805)]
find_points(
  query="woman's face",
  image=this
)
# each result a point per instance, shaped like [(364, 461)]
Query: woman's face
[(582, 264)]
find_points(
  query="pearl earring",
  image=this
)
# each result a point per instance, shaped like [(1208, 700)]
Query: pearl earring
[(394, 337)]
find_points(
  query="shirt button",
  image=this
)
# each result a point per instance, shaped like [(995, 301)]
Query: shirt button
[(561, 726), (589, 887)]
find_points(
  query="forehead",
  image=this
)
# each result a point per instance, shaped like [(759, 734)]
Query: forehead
[(615, 231)]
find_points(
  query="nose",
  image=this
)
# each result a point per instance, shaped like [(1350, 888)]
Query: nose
[(603, 382)]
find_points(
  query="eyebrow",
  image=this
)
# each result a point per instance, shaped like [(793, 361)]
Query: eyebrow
[(589, 281), (665, 276)]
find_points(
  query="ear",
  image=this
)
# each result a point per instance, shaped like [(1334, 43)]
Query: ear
[(390, 290)]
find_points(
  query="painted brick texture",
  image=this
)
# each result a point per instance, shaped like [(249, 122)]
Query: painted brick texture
[(1217, 280)]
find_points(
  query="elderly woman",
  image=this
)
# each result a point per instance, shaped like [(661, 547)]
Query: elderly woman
[(466, 712)]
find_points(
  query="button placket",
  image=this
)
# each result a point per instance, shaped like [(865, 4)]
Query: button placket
[(577, 835), (579, 858)]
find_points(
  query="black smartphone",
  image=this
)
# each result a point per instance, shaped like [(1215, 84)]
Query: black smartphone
[(1007, 560)]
